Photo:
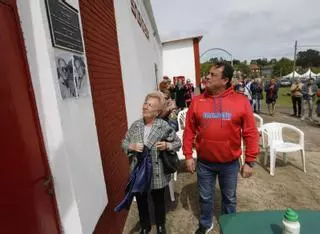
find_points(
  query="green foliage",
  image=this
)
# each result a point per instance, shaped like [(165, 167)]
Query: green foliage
[(260, 62), (205, 67), (236, 62), (316, 70), (283, 67), (305, 59), (309, 58), (273, 61), (245, 69), (213, 60), (284, 100)]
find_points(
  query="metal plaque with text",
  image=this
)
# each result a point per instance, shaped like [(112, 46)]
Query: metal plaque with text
[(65, 26)]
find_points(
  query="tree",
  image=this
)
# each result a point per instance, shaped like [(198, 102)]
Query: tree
[(205, 67), (253, 62), (262, 62), (213, 60), (236, 62), (244, 68), (283, 67), (309, 58), (273, 61)]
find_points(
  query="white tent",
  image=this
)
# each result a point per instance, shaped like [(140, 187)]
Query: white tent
[(318, 75), (309, 74), (296, 75)]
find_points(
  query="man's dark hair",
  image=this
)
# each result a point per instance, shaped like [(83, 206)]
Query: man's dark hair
[(227, 71)]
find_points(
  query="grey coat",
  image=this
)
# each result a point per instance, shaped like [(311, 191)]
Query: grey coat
[(160, 131), (305, 91)]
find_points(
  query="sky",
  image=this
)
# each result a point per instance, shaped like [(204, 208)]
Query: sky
[(248, 29)]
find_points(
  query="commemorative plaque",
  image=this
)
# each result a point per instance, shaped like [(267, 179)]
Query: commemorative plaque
[(65, 26)]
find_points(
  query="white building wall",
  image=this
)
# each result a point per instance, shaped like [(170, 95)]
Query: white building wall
[(68, 128), (178, 59), (138, 57)]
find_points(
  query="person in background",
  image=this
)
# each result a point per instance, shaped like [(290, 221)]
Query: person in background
[(202, 85), (189, 92), (169, 113), (257, 95), (247, 90), (180, 91), (271, 90), (151, 134), (164, 84), (309, 91), (239, 86), (171, 89), (318, 102), (296, 97), (216, 119)]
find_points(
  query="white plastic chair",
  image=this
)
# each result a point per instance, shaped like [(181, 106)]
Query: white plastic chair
[(277, 144), (259, 121), (171, 190), (182, 121)]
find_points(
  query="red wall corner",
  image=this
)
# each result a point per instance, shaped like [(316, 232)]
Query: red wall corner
[(104, 67), (196, 60)]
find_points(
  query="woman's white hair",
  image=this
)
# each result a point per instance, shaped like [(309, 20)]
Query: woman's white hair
[(158, 95)]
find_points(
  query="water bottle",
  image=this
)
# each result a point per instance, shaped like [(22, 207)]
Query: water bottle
[(290, 222)]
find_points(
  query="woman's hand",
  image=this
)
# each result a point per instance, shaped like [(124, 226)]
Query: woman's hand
[(161, 145), (138, 147)]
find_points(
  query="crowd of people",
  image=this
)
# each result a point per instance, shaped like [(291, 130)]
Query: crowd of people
[(254, 90), (216, 122), (181, 92), (303, 95)]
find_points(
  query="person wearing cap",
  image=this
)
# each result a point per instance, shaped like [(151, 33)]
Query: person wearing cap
[(309, 91), (296, 97)]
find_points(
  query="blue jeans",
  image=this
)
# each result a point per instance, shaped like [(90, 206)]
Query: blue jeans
[(206, 176), (256, 105)]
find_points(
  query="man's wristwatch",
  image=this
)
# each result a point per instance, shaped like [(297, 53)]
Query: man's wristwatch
[(250, 164)]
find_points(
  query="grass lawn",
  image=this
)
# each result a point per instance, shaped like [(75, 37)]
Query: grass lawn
[(283, 99)]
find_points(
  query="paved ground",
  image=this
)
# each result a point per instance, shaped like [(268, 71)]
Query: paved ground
[(290, 187)]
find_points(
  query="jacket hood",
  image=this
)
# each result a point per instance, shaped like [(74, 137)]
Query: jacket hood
[(225, 93)]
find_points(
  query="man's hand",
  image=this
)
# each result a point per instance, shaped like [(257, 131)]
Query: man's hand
[(138, 147), (190, 164), (161, 145), (246, 171)]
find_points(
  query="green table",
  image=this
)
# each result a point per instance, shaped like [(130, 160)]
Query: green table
[(267, 222)]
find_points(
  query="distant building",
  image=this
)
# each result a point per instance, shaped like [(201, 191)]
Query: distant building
[(181, 58)]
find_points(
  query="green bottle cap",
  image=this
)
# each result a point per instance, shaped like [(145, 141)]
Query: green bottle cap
[(291, 215)]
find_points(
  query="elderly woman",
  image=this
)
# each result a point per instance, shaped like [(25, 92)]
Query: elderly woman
[(156, 135)]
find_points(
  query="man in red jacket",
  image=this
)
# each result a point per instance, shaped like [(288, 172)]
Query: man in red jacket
[(217, 119)]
